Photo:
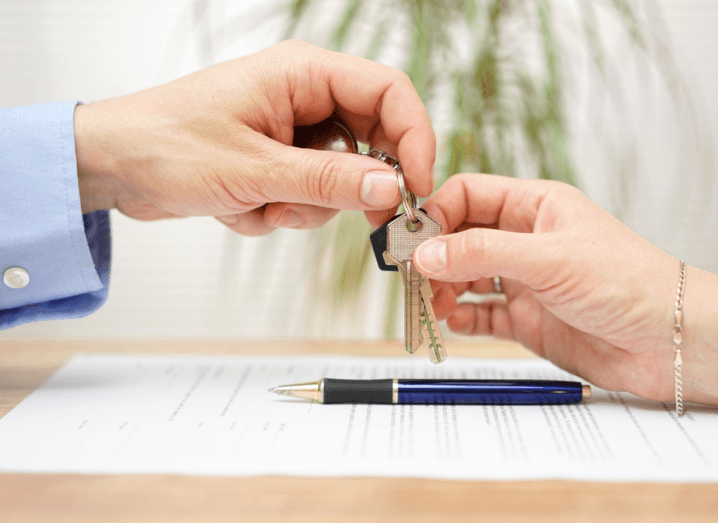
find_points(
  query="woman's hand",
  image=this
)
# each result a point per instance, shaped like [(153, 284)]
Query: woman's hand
[(218, 142), (582, 290)]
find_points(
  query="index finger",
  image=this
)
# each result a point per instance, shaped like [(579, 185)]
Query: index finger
[(369, 95), (487, 200)]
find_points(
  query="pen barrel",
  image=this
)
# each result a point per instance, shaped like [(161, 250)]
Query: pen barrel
[(489, 392)]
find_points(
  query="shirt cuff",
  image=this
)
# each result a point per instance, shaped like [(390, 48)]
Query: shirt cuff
[(42, 230)]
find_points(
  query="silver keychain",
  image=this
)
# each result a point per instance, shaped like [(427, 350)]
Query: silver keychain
[(404, 233), (397, 239)]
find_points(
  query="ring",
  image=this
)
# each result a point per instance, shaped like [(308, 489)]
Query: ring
[(495, 297)]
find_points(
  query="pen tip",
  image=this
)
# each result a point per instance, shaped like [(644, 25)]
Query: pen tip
[(308, 391), (284, 390)]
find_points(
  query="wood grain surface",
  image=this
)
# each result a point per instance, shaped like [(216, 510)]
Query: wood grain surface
[(30, 498)]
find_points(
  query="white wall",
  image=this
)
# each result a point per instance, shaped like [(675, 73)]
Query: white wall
[(190, 278)]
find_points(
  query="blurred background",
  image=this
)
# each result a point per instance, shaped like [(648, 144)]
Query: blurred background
[(617, 97)]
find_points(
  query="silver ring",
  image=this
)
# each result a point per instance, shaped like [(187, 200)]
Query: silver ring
[(407, 197), (498, 288)]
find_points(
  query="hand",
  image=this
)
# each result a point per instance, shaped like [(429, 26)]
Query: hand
[(582, 289), (218, 142)]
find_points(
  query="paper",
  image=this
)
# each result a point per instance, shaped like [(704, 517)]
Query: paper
[(209, 415)]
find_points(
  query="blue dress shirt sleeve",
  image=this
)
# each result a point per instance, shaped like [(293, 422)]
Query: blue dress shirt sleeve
[(43, 233)]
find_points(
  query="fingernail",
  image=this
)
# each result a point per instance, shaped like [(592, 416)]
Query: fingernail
[(431, 256), (289, 218), (229, 219), (379, 189)]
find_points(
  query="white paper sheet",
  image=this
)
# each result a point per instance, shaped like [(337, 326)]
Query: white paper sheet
[(213, 415)]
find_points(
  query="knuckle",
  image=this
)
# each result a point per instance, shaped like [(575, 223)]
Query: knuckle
[(465, 252), (560, 192), (323, 186), (293, 44), (403, 77), (473, 243), (559, 188), (458, 180), (315, 219)]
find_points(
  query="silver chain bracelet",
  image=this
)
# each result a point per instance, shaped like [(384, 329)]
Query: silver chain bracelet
[(678, 338)]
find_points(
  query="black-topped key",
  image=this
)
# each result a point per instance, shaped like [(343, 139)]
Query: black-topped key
[(378, 243)]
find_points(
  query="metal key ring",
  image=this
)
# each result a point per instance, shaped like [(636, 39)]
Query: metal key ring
[(408, 198)]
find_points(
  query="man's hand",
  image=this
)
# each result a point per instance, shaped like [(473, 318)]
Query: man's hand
[(218, 142)]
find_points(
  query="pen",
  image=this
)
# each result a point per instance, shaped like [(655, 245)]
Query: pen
[(470, 392)]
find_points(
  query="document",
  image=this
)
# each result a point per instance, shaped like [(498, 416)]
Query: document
[(213, 415)]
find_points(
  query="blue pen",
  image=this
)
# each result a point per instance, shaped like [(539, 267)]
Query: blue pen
[(467, 392)]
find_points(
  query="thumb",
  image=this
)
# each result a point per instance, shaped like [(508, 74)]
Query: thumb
[(484, 253), (338, 180)]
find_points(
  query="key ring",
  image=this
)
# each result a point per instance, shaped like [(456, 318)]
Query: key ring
[(408, 198)]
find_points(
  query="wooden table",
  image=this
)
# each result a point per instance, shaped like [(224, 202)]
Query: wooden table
[(58, 498)]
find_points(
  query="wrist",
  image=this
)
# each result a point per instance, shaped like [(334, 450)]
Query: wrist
[(100, 188), (700, 337)]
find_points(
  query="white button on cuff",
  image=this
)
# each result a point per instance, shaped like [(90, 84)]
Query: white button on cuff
[(16, 277)]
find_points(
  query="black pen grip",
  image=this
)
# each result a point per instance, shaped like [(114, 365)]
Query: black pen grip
[(358, 391)]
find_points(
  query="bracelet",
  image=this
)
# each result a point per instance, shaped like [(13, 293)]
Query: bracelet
[(678, 338)]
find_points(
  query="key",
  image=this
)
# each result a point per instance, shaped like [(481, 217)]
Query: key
[(431, 334), (412, 306), (403, 237), (378, 244), (420, 327)]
